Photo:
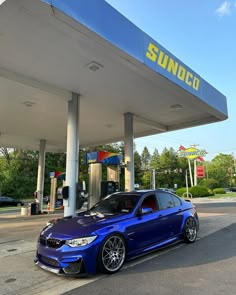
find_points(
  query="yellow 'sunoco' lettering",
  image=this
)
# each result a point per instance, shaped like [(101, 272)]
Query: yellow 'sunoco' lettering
[(172, 66)]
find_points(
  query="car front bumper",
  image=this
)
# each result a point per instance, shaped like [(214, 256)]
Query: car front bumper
[(68, 261)]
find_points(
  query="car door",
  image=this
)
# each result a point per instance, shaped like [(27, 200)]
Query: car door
[(170, 215), (144, 229)]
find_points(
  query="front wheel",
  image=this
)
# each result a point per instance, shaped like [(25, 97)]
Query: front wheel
[(190, 230), (112, 254)]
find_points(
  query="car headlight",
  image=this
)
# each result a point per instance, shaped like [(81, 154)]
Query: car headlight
[(81, 241)]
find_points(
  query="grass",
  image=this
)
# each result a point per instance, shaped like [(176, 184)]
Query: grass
[(227, 195), (9, 208)]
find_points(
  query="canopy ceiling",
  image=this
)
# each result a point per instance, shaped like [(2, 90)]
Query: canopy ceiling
[(49, 51)]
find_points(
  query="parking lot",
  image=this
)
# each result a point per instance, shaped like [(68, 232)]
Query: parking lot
[(190, 269)]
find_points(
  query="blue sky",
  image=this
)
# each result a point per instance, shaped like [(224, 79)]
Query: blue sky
[(202, 35)]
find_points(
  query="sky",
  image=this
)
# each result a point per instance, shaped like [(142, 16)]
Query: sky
[(202, 35)]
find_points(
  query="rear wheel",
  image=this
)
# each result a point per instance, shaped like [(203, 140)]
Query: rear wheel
[(112, 254), (190, 230)]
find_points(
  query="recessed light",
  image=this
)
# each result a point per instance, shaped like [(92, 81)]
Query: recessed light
[(176, 106), (28, 104), (94, 66), (1, 1), (109, 125)]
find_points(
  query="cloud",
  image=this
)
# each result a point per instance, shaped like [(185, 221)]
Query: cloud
[(224, 9)]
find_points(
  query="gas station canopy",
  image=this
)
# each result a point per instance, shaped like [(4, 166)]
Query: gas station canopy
[(49, 49)]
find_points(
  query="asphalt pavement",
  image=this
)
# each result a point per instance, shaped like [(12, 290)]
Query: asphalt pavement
[(205, 267)]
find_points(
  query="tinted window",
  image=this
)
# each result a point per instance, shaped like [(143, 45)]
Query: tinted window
[(176, 201), (117, 203), (150, 202), (165, 200)]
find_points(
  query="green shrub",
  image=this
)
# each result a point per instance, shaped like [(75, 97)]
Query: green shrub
[(211, 192), (219, 191), (181, 191), (210, 183), (199, 191)]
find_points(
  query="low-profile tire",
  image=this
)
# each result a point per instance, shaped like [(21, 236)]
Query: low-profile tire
[(112, 254), (190, 230)]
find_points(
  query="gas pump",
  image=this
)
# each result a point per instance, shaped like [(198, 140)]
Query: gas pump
[(55, 201), (59, 194), (97, 187), (109, 187)]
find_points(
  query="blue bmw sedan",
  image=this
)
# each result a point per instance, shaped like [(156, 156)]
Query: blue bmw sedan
[(118, 228)]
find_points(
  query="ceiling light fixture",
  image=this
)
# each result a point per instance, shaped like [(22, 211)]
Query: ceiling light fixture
[(176, 106), (28, 104), (1, 1), (94, 66), (109, 125)]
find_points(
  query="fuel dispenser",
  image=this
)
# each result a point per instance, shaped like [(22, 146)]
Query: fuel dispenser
[(109, 187), (98, 188)]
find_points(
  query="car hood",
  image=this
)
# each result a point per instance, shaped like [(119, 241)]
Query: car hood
[(82, 225)]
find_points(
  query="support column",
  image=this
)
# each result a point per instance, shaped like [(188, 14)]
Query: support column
[(72, 154), (41, 169), (95, 178), (129, 152)]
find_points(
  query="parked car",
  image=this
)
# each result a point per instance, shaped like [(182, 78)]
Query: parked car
[(121, 226), (9, 201)]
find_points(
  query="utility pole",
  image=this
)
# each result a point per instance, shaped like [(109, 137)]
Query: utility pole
[(154, 178)]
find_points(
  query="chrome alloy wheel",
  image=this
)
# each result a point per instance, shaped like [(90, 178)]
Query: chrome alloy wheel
[(190, 230), (113, 253)]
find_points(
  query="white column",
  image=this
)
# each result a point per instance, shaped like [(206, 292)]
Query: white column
[(190, 173), (129, 152), (72, 154), (41, 169), (195, 172)]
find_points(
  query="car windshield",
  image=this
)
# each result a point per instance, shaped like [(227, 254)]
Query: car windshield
[(116, 204)]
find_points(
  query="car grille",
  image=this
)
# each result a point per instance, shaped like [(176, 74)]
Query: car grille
[(51, 243), (49, 261)]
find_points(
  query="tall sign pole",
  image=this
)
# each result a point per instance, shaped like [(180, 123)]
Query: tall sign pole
[(195, 154), (190, 172)]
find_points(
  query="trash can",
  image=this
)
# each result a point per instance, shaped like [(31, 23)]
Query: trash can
[(34, 208), (24, 211)]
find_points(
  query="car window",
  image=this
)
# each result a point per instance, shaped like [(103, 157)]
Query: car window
[(165, 200), (150, 202), (176, 201), (117, 203)]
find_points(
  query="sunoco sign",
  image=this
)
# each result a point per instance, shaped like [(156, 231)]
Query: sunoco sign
[(191, 153)]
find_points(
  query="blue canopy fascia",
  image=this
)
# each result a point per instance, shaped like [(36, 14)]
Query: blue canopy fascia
[(101, 18)]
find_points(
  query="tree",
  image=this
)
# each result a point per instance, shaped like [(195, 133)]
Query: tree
[(155, 160), (137, 168), (18, 170), (220, 169), (145, 159)]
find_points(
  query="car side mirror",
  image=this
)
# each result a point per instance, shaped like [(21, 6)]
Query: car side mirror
[(144, 211)]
